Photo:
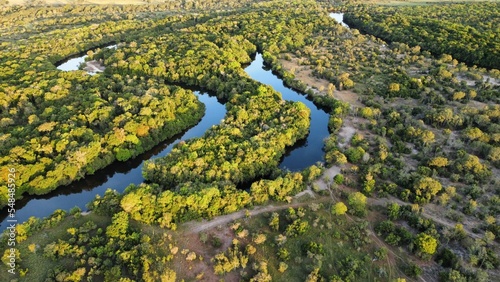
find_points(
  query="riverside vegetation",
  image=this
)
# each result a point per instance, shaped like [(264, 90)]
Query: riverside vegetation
[(418, 193)]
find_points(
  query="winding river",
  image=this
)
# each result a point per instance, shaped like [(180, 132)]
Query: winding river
[(306, 152), (119, 175)]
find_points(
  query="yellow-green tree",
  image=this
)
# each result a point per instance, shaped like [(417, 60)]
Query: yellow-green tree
[(438, 162), (425, 189), (426, 245), (357, 203), (339, 209)]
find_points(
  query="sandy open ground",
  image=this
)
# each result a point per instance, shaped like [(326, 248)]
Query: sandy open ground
[(94, 66)]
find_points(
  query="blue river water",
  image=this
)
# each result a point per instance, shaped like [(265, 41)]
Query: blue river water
[(121, 174)]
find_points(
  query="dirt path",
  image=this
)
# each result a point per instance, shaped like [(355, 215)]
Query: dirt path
[(436, 218), (199, 226)]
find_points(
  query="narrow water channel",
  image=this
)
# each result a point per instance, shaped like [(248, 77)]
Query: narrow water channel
[(309, 151)]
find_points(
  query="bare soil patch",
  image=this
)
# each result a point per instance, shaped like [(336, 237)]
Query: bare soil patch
[(318, 85), (472, 82), (94, 66), (468, 81), (350, 127), (477, 104), (491, 80), (202, 265), (304, 73), (348, 96)]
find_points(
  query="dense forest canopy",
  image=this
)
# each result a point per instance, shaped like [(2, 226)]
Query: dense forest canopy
[(59, 126), (410, 184), (469, 32)]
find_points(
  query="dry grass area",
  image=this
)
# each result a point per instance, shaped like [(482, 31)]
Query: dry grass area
[(347, 96), (97, 2), (201, 269), (318, 85), (304, 73), (476, 104)]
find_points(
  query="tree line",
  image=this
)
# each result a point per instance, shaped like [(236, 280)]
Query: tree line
[(466, 31)]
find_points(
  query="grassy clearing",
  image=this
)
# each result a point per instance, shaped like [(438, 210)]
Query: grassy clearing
[(341, 251), (35, 262)]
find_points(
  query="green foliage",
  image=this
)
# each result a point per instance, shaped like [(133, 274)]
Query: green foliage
[(283, 254), (282, 267), (296, 228), (274, 221), (393, 211), (453, 275), (312, 173), (393, 234), (232, 259), (354, 154), (447, 258), (86, 250), (339, 209), (76, 124), (352, 268), (338, 179), (437, 28), (368, 184), (413, 270), (381, 253), (167, 208), (279, 189), (92, 129), (467, 164), (426, 245), (425, 189), (335, 157), (119, 226), (357, 203)]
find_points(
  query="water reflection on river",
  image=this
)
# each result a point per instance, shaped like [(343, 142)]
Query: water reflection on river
[(116, 176), (309, 151), (120, 174)]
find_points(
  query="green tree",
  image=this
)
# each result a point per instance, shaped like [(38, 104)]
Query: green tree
[(168, 275), (369, 183), (119, 226), (357, 203), (425, 189), (282, 267), (393, 210), (339, 209), (274, 222)]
